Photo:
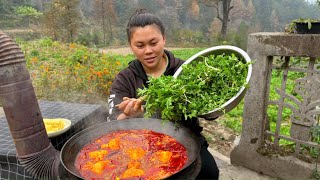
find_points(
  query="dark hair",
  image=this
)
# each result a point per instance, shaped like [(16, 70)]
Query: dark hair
[(142, 18)]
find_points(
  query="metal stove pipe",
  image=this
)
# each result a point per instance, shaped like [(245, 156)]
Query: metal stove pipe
[(23, 113)]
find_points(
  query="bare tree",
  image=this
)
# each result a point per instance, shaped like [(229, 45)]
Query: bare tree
[(62, 19), (72, 17), (40, 4), (223, 8), (105, 13), (52, 23)]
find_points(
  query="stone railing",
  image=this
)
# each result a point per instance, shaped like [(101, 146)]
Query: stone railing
[(278, 119)]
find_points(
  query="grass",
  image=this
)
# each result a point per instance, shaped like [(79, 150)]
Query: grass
[(70, 72), (185, 54), (75, 73), (233, 119)]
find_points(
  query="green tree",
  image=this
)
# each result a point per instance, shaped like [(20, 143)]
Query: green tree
[(240, 37), (4, 6), (8, 14), (264, 10), (28, 14), (4, 9)]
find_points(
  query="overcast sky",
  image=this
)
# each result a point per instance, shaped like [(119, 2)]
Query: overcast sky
[(311, 1)]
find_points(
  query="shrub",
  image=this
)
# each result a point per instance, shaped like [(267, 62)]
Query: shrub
[(70, 72)]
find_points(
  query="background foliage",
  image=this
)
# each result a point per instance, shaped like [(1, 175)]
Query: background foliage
[(189, 23), (75, 73), (65, 61)]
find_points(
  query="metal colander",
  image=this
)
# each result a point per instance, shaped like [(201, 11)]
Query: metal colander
[(235, 100)]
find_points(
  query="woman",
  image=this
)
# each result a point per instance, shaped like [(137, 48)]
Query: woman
[(146, 37)]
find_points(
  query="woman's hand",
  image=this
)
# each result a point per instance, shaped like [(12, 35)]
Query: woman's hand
[(131, 108)]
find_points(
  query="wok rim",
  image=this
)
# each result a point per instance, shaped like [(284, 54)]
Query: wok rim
[(91, 128)]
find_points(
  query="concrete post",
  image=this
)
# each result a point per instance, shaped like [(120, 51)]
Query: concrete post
[(262, 47)]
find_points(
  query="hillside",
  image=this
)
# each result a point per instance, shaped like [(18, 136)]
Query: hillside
[(189, 22)]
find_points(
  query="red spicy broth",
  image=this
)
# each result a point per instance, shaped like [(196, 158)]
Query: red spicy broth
[(130, 154)]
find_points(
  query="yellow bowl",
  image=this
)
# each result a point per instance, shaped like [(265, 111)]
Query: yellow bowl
[(57, 126)]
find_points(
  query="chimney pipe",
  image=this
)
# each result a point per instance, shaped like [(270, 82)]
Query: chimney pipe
[(35, 151)]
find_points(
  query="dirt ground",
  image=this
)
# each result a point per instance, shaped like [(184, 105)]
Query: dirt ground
[(1, 112), (219, 137)]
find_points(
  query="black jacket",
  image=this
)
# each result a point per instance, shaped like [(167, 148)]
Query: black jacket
[(134, 77)]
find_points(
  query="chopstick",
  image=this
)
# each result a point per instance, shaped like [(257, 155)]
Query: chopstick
[(142, 98)]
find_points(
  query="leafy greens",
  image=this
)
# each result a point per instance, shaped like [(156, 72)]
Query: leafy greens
[(202, 86)]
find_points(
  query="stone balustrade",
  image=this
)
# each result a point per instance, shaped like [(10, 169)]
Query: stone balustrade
[(278, 119)]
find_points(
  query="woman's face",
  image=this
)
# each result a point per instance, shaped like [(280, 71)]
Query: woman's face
[(147, 43)]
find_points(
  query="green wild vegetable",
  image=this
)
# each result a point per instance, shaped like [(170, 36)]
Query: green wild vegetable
[(203, 85), (292, 25)]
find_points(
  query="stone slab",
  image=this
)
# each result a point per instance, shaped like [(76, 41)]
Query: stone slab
[(1, 112), (229, 171)]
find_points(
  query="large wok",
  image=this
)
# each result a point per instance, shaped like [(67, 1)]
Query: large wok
[(78, 141)]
